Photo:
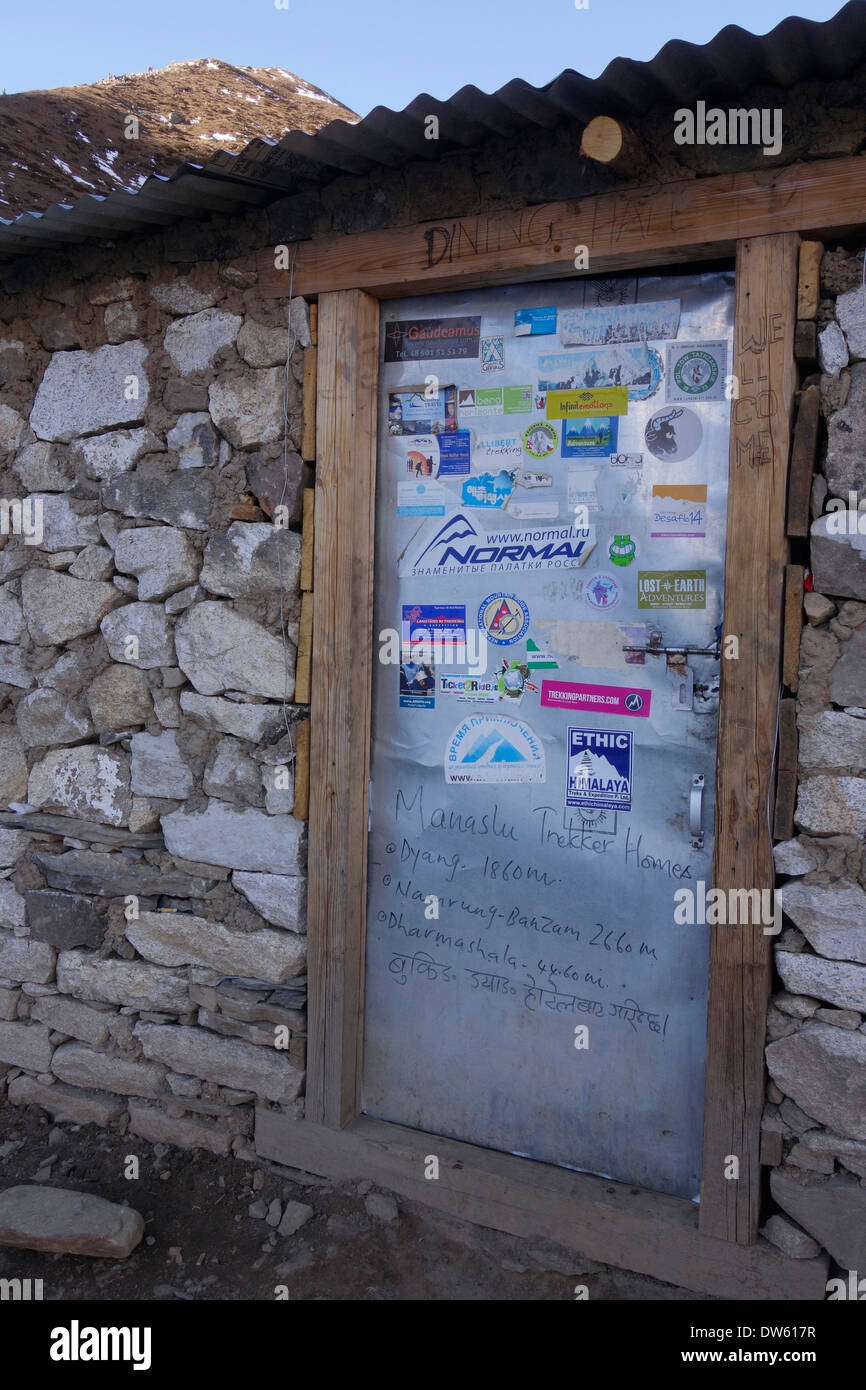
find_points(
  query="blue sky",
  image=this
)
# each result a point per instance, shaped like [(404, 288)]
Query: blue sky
[(364, 52)]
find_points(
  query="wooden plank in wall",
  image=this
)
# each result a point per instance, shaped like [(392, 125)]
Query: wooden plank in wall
[(308, 539), (301, 805), (793, 626), (786, 778), (678, 221), (766, 291), (803, 455), (314, 324), (603, 1220), (341, 700), (809, 279), (806, 343), (308, 437), (305, 651)]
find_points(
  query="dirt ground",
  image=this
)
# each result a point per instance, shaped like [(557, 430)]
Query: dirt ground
[(202, 1244)]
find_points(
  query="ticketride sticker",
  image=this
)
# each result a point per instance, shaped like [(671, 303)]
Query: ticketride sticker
[(494, 748), (504, 618), (599, 771), (414, 340)]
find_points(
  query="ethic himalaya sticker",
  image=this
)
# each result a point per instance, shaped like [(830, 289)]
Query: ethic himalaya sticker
[(504, 618), (459, 545), (492, 354), (415, 340), (696, 371), (679, 510), (672, 589), (583, 405), (494, 748), (593, 438), (539, 440), (599, 772), (602, 593), (673, 433), (532, 321), (603, 699)]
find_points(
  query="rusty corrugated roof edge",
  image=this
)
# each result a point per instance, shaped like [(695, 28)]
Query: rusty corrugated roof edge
[(733, 62)]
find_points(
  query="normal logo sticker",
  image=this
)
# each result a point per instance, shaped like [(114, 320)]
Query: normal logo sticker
[(494, 748), (461, 546)]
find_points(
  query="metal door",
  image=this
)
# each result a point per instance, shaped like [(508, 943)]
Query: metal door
[(540, 830)]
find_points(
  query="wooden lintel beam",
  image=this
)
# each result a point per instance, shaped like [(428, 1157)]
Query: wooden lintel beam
[(687, 220)]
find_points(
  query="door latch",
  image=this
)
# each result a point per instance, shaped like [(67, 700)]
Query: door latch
[(696, 811)]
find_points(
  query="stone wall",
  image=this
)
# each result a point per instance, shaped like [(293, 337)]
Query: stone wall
[(152, 889), (817, 1036)]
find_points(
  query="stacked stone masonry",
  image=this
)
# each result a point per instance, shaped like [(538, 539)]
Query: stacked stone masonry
[(153, 774), (816, 1053), (152, 876)]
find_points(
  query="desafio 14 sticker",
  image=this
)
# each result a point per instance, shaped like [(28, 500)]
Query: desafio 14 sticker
[(504, 618)]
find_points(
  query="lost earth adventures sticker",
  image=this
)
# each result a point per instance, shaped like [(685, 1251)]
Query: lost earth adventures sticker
[(672, 589)]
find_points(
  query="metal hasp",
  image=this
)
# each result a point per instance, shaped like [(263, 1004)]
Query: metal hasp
[(696, 811)]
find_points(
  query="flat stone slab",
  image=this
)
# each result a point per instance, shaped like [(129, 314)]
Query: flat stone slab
[(58, 1221)]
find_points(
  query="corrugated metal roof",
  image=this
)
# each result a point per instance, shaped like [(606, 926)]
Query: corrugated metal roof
[(797, 50)]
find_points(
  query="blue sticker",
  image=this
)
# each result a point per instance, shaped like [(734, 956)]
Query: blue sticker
[(599, 770), (535, 321), (454, 453), (488, 489), (426, 623), (592, 439), (417, 685)]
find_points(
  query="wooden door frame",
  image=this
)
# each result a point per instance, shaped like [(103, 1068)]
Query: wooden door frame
[(713, 1248)]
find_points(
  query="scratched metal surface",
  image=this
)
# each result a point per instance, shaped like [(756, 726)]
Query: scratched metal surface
[(533, 894)]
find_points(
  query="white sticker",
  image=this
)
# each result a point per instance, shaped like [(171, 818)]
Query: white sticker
[(583, 488), (494, 748)]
